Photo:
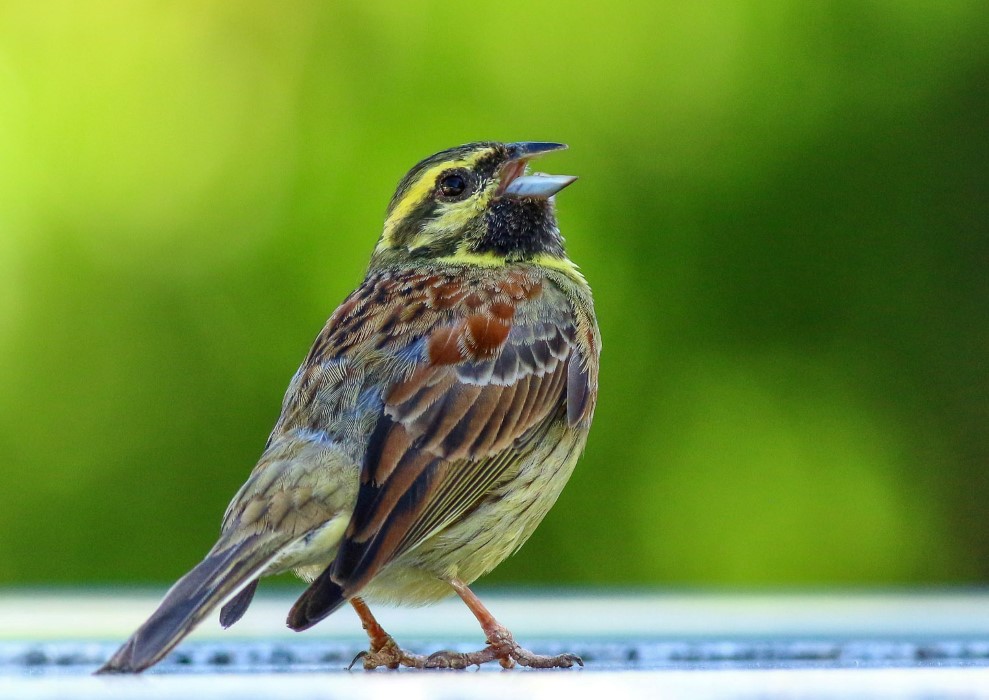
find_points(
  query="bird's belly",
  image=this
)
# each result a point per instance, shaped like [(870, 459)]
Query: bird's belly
[(487, 535)]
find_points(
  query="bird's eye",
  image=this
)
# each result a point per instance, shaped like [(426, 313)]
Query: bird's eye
[(454, 185)]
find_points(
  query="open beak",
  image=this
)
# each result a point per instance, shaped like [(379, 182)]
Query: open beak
[(516, 183)]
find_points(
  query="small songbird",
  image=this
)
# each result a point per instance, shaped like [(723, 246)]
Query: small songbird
[(431, 427)]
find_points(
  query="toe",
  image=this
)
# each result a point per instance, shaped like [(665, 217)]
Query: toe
[(527, 658), (446, 659)]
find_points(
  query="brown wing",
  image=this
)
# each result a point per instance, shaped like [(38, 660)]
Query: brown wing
[(488, 383)]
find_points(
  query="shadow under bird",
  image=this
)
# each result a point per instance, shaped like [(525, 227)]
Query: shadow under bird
[(431, 427)]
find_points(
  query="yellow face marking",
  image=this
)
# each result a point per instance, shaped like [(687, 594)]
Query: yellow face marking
[(564, 265), (465, 257), (423, 188), (453, 218)]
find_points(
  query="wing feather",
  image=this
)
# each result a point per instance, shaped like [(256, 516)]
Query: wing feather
[(488, 384)]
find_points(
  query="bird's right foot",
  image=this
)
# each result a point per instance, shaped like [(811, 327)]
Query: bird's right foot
[(503, 648)]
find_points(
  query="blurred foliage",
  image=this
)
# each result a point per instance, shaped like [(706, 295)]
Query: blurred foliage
[(782, 208)]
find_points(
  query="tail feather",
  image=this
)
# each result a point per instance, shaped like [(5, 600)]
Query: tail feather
[(193, 597), (235, 608), (323, 596)]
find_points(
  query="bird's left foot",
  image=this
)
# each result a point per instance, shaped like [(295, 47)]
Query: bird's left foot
[(388, 654), (503, 648)]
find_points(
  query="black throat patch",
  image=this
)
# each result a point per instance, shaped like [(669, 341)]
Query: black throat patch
[(519, 229)]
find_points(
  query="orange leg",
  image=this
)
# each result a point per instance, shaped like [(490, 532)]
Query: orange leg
[(501, 645), (384, 651)]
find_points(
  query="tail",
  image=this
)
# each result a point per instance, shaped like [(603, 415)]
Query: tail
[(323, 596), (191, 599)]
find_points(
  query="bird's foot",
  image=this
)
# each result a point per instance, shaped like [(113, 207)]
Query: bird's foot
[(503, 648), (388, 654)]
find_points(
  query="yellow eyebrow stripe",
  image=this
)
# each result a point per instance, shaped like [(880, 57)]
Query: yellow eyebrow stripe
[(422, 187)]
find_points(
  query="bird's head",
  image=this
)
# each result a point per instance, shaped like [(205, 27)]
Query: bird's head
[(475, 205)]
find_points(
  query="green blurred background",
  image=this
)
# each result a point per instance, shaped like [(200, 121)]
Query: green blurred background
[(782, 209)]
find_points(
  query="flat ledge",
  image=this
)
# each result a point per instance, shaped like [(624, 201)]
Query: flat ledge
[(327, 656), (68, 614), (905, 644)]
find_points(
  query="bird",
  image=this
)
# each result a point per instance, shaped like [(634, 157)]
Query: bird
[(432, 425)]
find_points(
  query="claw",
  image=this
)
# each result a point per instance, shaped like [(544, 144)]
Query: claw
[(357, 658), (574, 659)]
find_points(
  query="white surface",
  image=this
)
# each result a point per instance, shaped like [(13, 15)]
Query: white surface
[(668, 685), (69, 615), (59, 617)]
